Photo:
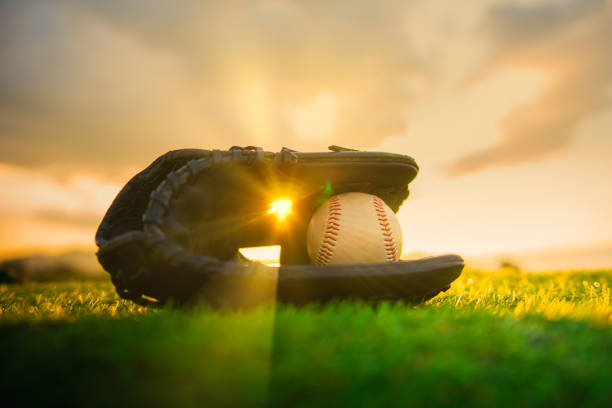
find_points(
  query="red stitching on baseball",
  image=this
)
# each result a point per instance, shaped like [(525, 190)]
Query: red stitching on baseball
[(383, 222), (326, 250)]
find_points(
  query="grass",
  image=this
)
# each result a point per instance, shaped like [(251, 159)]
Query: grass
[(502, 338)]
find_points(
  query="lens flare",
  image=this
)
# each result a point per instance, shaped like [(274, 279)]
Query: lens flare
[(281, 208)]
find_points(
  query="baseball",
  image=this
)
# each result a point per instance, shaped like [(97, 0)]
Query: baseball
[(354, 228)]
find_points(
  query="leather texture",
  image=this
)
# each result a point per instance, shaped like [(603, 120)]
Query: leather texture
[(173, 232)]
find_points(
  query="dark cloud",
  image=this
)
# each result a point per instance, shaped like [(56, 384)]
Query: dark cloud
[(75, 93), (570, 42)]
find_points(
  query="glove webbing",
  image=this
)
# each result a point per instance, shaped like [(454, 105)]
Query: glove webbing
[(159, 250)]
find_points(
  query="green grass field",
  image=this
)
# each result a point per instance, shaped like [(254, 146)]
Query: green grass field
[(503, 338)]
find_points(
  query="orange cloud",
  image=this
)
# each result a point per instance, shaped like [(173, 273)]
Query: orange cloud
[(571, 41), (39, 210)]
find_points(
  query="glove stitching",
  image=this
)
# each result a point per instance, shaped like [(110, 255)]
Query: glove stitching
[(163, 263)]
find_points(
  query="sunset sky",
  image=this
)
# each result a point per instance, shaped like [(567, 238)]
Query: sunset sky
[(505, 105)]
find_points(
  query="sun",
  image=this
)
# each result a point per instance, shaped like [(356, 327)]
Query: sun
[(281, 208)]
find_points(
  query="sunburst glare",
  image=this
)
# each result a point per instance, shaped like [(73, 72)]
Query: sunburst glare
[(281, 208)]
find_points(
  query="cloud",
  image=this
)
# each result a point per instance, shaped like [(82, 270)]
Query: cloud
[(26, 190), (111, 84), (38, 209), (572, 43), (76, 94), (108, 86)]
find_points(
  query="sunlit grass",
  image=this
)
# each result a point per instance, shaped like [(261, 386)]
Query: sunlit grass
[(554, 295), (65, 300)]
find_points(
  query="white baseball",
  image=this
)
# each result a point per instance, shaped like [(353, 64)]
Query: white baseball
[(354, 228)]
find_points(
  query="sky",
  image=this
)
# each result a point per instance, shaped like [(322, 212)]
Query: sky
[(505, 105)]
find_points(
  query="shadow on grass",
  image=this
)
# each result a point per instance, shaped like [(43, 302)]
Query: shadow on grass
[(171, 359), (396, 355)]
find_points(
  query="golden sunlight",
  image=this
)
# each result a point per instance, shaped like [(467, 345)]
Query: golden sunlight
[(281, 208), (269, 255)]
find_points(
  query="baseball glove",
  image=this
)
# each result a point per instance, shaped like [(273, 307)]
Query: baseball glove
[(174, 231)]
